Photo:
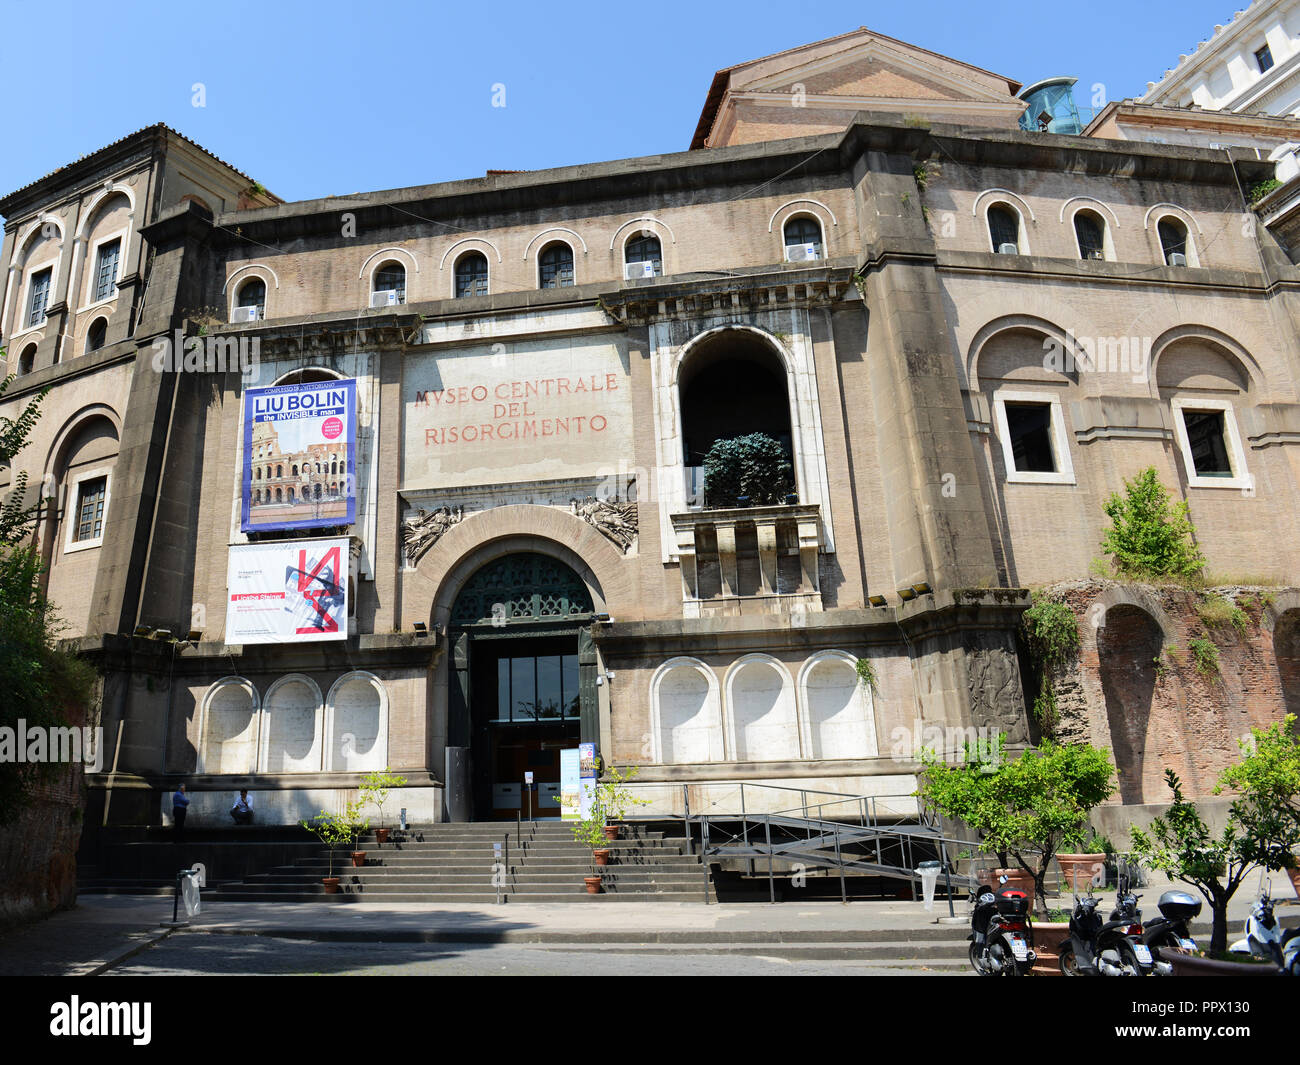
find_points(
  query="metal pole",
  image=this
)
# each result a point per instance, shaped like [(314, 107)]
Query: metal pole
[(844, 895), (771, 880), (686, 818), (519, 831), (704, 856), (508, 872), (947, 875), (744, 826), (176, 900)]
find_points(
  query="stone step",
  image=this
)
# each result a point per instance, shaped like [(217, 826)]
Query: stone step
[(480, 898)]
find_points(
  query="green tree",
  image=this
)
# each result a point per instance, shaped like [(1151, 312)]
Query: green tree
[(1027, 809), (1267, 780), (1181, 846), (41, 682), (754, 466), (1150, 536)]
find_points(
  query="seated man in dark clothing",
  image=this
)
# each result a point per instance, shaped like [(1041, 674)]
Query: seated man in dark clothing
[(242, 811)]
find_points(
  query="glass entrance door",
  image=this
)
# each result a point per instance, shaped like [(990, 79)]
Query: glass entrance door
[(526, 710)]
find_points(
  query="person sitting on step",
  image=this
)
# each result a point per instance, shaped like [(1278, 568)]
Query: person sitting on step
[(242, 811)]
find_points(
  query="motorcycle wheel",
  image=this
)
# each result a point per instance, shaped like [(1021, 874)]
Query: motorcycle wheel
[(1068, 962), (1128, 958), (975, 960), (1168, 943)]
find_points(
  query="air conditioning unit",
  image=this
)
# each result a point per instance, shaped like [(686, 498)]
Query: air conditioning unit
[(636, 271), (246, 314), (800, 253), (1177, 259), (1008, 249), (385, 297)]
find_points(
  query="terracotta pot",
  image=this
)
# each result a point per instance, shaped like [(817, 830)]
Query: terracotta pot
[(331, 885), (611, 831), (381, 834), (1193, 965), (1016, 878), (358, 859), (601, 856), (1079, 870), (593, 884), (1047, 937)]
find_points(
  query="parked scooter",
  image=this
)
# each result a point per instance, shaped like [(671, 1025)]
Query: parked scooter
[(1168, 933), (1110, 948), (1265, 938), (1002, 934)]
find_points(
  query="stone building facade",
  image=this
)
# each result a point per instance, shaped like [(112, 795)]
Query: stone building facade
[(964, 337)]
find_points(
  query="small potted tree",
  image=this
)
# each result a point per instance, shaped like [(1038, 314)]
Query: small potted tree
[(333, 831), (374, 790), (590, 831), (616, 797), (1027, 809), (355, 826), (744, 471)]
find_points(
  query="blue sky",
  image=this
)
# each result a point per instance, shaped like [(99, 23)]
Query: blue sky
[(333, 98)]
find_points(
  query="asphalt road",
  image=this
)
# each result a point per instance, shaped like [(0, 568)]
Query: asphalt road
[(200, 954)]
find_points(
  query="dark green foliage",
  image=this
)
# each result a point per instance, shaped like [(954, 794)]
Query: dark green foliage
[(755, 466)]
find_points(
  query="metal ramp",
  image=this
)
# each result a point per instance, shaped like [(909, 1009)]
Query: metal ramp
[(852, 835)]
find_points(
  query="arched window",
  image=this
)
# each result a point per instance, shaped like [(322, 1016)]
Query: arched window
[(279, 495), (390, 277), (294, 470), (555, 266), (1090, 230), (252, 293), (27, 360), (643, 256), (1004, 229), (279, 471), (471, 275), (1173, 241), (96, 334), (38, 296), (290, 493), (803, 239)]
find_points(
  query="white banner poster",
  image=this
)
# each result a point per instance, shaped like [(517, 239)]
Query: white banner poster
[(289, 591)]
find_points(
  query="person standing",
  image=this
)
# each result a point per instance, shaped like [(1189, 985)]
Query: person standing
[(180, 805)]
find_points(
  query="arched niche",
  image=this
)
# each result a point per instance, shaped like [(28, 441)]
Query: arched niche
[(1129, 642), (839, 721), (357, 724), (761, 717), (228, 727), (686, 713), (291, 732)]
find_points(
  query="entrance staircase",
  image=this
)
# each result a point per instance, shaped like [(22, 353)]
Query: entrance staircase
[(538, 862)]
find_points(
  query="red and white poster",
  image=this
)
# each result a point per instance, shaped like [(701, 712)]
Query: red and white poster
[(289, 591)]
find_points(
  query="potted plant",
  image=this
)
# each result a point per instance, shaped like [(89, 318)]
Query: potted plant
[(334, 831), (374, 790), (356, 827), (616, 797), (751, 470), (1087, 866), (590, 831)]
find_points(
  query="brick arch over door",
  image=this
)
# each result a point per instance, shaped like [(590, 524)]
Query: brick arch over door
[(490, 534)]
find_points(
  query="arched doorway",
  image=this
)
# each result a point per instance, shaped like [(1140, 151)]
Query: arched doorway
[(523, 680)]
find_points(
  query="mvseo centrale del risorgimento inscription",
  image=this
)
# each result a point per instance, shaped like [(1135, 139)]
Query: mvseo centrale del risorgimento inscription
[(517, 410)]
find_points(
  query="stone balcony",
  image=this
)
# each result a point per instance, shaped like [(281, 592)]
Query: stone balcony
[(749, 560)]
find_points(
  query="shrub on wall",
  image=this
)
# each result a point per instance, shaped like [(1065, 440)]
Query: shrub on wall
[(1052, 633), (1150, 536)]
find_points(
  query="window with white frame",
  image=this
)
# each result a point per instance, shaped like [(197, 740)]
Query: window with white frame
[(1206, 431), (391, 277), (38, 296), (89, 496), (1031, 427), (106, 263), (803, 238)]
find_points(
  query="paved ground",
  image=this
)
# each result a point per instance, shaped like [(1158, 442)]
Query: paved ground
[(126, 934), (204, 954)]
